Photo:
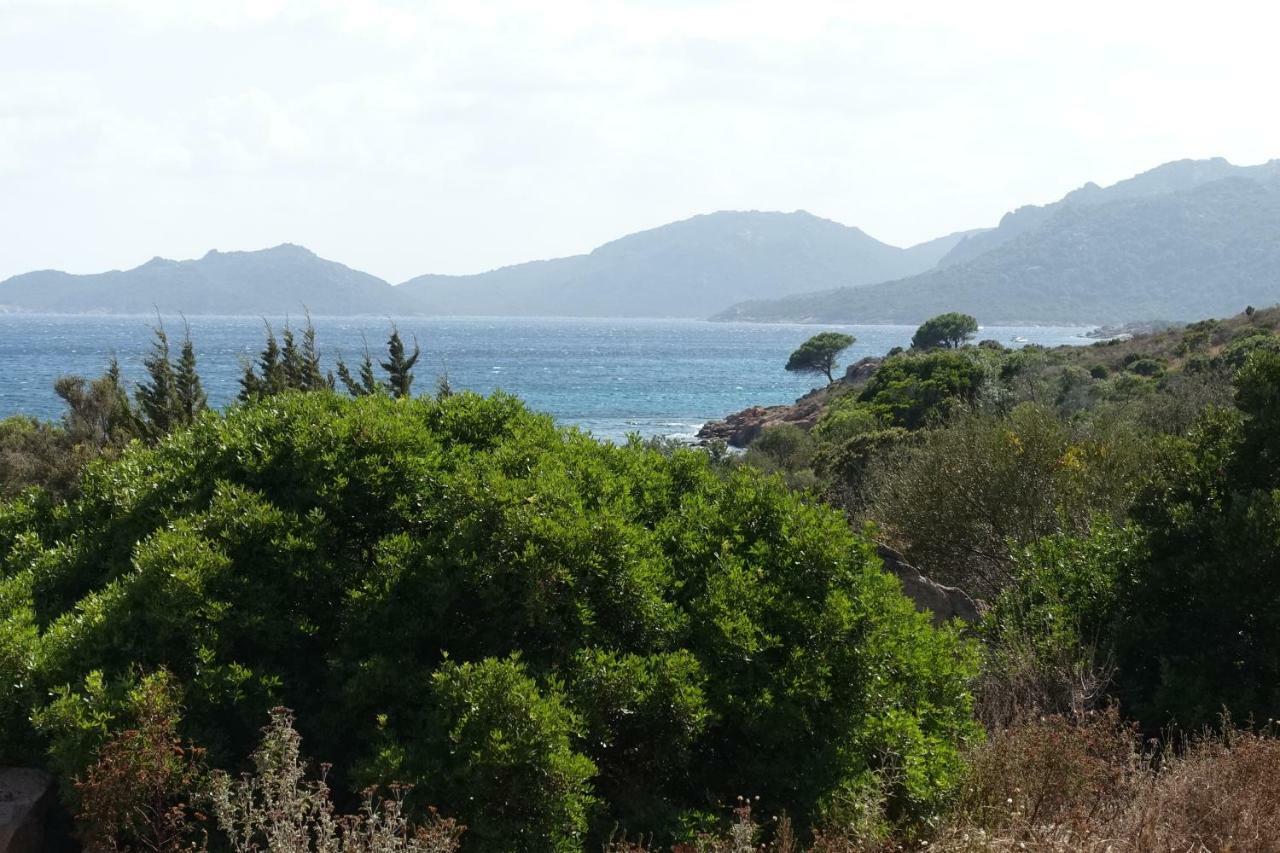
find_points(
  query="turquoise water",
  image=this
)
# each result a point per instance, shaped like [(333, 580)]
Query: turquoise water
[(612, 377)]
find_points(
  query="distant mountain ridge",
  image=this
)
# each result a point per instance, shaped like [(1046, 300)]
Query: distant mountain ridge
[(1183, 241), (1171, 177), (280, 280), (689, 268), (685, 269)]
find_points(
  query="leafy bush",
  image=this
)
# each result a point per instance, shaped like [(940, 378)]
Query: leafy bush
[(1146, 367), (913, 390), (959, 499), (511, 762), (373, 564), (1203, 619)]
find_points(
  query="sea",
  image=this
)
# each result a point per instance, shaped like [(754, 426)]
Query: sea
[(612, 377)]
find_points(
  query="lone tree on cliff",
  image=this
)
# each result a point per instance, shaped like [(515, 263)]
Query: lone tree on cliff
[(818, 354), (950, 330)]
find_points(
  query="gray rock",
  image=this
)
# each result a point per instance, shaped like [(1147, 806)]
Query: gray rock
[(944, 602), (25, 797)]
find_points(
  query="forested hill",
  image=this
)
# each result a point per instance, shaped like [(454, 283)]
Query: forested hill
[(280, 280), (1207, 250), (689, 268)]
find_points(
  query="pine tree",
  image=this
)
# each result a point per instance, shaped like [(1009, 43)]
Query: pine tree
[(157, 396), (398, 366), (267, 378), (314, 378), (188, 390), (366, 384)]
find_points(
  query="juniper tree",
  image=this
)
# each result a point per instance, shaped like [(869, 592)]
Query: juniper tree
[(267, 377), (364, 385), (398, 366), (300, 361), (99, 412), (157, 395), (189, 393)]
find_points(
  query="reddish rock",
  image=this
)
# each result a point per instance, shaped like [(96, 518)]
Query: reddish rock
[(742, 428)]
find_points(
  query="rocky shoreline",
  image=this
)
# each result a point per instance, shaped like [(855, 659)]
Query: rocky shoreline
[(741, 428)]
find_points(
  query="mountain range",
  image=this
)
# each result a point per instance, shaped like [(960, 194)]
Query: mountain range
[(685, 269), (1185, 240)]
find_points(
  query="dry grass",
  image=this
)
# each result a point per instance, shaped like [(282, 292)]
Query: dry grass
[(1089, 785)]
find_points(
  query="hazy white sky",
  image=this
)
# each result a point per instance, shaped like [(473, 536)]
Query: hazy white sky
[(459, 135)]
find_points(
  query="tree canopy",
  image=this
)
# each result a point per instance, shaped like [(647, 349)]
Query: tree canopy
[(455, 593), (951, 330), (818, 354)]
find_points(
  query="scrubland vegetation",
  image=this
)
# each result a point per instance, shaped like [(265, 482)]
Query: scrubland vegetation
[(501, 635)]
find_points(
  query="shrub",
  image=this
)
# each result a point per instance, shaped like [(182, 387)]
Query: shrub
[(959, 499), (139, 792), (1201, 621), (913, 390), (511, 763), (373, 563), (1050, 636), (278, 809), (1146, 367)]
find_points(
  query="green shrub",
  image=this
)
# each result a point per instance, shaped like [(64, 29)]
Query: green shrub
[(912, 390), (960, 498), (1202, 622), (1236, 353), (1145, 367), (511, 766), (373, 564)]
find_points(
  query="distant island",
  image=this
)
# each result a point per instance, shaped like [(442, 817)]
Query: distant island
[(1186, 240)]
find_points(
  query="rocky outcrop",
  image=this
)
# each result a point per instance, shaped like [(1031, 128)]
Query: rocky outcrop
[(742, 428), (944, 602), (25, 798)]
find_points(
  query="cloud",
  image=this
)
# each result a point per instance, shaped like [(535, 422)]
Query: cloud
[(455, 135)]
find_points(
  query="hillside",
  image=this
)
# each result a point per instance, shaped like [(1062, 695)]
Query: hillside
[(1202, 251), (686, 269), (1171, 177), (280, 280)]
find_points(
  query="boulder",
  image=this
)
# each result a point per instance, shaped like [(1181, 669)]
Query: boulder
[(944, 602), (25, 798)]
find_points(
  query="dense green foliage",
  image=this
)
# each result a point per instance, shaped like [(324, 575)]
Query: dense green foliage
[(951, 330), (818, 354), (548, 635), (1115, 503), (1202, 622)]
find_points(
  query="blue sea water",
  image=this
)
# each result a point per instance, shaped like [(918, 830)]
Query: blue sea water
[(612, 377)]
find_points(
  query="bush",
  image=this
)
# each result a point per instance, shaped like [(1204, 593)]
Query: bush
[(1061, 784), (1050, 636), (914, 390), (510, 761), (279, 809), (1203, 617), (373, 564), (1146, 367), (957, 501)]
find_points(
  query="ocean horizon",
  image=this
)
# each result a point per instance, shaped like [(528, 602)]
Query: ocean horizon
[(611, 377)]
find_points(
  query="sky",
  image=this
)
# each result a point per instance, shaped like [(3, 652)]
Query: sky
[(455, 136)]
